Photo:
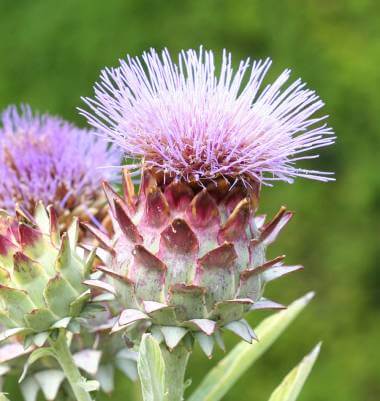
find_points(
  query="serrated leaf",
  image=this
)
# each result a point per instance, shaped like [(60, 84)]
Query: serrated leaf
[(225, 374), (151, 369), (35, 356), (291, 386)]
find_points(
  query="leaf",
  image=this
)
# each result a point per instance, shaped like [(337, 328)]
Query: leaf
[(225, 374), (3, 397), (291, 386), (33, 357), (151, 369)]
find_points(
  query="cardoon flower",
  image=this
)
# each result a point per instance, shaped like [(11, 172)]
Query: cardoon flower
[(44, 158), (188, 256)]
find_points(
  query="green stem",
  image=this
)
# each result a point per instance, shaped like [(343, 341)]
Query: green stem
[(175, 368), (71, 371)]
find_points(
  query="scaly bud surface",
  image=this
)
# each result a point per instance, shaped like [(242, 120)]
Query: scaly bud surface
[(41, 275), (188, 260)]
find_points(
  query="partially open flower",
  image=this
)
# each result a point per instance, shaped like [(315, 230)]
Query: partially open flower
[(188, 255), (44, 158), (41, 276)]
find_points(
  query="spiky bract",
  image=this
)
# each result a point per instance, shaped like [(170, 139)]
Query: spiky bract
[(189, 120), (188, 262), (41, 276)]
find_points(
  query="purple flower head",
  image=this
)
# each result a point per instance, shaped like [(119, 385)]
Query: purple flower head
[(46, 158), (192, 121)]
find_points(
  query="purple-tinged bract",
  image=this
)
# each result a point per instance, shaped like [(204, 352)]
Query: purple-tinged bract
[(44, 158), (194, 121)]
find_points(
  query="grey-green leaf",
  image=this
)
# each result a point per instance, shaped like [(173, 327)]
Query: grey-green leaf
[(151, 369), (291, 386), (225, 374)]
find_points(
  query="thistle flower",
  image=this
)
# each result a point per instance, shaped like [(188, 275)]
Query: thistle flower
[(188, 120), (44, 158), (188, 255)]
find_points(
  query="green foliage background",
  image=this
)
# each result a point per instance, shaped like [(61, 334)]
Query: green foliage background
[(52, 52)]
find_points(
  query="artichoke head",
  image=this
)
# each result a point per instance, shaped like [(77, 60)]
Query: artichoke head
[(187, 261), (41, 274)]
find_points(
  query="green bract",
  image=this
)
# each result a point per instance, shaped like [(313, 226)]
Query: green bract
[(188, 260), (41, 275)]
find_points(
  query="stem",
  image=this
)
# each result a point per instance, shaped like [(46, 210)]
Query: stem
[(175, 368), (71, 371)]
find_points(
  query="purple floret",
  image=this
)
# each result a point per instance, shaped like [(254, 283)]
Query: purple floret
[(46, 158), (192, 121)]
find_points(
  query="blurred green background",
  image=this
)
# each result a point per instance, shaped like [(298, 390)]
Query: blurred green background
[(52, 52)]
